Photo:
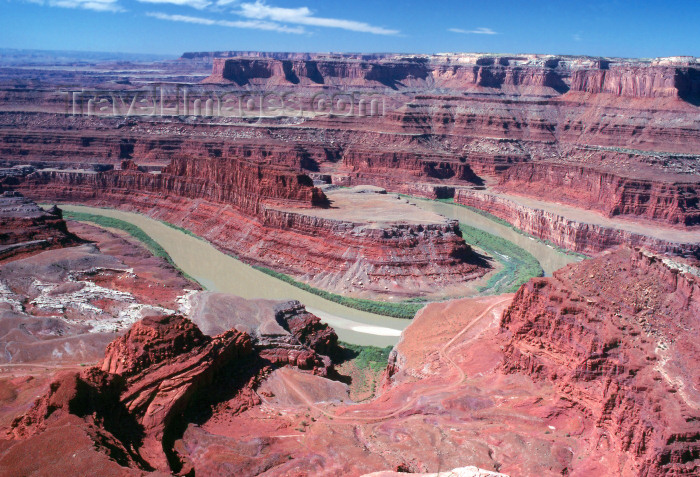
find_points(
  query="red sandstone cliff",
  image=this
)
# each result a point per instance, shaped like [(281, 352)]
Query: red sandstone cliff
[(612, 194), (524, 75), (235, 205), (572, 234), (27, 228), (616, 336), (639, 81), (620, 136)]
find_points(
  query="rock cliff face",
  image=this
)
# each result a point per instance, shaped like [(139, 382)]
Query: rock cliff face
[(546, 75), (618, 136), (243, 185), (572, 234), (26, 228), (623, 131), (237, 211), (601, 333), (268, 71), (612, 194), (639, 82)]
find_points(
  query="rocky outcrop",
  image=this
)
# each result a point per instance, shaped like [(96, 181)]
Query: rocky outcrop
[(26, 228), (166, 361), (601, 333), (281, 332), (148, 379), (164, 373)]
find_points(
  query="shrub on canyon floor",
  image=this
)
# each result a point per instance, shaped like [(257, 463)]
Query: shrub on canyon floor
[(367, 356), (364, 366)]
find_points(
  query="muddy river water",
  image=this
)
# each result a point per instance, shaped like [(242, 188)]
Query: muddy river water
[(217, 271)]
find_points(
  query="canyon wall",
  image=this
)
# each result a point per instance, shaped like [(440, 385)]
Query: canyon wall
[(609, 193), (639, 82), (528, 74), (261, 218), (241, 184), (600, 333), (25, 228), (620, 136), (579, 236)]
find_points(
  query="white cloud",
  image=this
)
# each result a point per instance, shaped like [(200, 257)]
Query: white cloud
[(478, 31), (198, 4), (304, 16), (96, 5), (577, 37), (253, 24)]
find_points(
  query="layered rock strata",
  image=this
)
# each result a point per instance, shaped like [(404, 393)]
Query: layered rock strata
[(554, 75), (264, 215), (584, 373), (621, 130), (163, 371), (25, 228), (138, 394), (615, 336), (576, 234), (607, 192)]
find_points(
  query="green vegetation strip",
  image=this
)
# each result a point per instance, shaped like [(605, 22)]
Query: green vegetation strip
[(136, 232), (396, 310), (505, 223), (519, 265), (368, 357)]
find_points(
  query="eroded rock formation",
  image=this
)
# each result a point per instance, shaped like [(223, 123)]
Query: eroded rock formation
[(25, 228), (527, 73), (282, 333), (616, 336), (265, 214), (617, 135), (582, 374), (581, 232)]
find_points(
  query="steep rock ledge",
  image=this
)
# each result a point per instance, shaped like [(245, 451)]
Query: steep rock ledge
[(611, 194), (238, 212), (573, 235), (616, 336), (26, 228)]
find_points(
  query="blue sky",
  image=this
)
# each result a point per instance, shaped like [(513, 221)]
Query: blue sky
[(640, 28)]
